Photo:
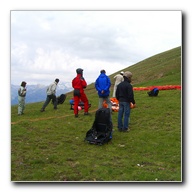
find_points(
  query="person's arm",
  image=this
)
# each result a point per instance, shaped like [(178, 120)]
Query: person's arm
[(108, 85), (53, 89), (117, 93), (83, 82), (131, 94), (97, 86)]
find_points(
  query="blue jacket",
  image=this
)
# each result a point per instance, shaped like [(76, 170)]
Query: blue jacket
[(103, 83)]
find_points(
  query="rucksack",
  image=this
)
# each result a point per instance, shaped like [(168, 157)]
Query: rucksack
[(153, 92), (60, 99), (101, 131)]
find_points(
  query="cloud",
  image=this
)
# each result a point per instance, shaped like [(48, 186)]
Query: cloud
[(49, 44)]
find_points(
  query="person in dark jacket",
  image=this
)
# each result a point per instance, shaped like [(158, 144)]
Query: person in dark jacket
[(124, 95), (102, 85), (79, 84)]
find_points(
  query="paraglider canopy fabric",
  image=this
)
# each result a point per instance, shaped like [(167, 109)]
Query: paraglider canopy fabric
[(166, 87)]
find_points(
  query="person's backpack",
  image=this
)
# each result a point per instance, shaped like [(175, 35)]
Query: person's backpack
[(101, 131), (153, 92), (60, 99)]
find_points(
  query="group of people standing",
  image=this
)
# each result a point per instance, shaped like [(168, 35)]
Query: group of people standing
[(123, 91)]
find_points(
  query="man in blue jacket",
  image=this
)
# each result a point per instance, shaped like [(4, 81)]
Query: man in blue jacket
[(102, 85)]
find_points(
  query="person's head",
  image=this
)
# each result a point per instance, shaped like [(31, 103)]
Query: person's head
[(57, 80), (103, 72), (121, 73), (23, 83), (79, 71), (127, 75)]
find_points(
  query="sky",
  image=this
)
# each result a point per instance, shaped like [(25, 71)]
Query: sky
[(52, 44)]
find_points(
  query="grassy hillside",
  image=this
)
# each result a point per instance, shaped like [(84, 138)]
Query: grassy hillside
[(50, 146), (161, 69)]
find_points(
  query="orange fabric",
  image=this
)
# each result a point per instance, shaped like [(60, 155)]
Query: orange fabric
[(132, 106), (166, 87), (115, 105), (105, 104)]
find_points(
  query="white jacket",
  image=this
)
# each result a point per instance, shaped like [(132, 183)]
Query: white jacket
[(22, 91), (118, 79), (52, 89)]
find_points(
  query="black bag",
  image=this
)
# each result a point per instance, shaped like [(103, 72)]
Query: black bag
[(76, 92), (101, 131), (153, 92), (60, 99)]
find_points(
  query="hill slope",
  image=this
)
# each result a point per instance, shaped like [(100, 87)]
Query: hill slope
[(163, 68), (160, 69), (50, 146)]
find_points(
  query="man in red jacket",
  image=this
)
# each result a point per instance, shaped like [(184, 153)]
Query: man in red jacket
[(79, 84)]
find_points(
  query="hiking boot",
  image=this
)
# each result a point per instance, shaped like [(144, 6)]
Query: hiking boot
[(76, 116), (86, 113), (42, 110), (120, 129), (55, 108)]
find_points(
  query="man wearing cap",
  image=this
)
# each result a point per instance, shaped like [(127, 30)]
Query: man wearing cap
[(124, 95), (79, 84), (21, 98), (51, 95), (118, 79)]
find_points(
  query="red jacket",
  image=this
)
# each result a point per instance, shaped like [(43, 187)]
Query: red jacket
[(79, 83)]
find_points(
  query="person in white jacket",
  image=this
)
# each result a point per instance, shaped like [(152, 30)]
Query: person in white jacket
[(21, 98), (51, 95), (118, 79)]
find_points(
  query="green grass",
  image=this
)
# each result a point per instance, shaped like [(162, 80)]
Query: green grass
[(50, 146), (163, 68)]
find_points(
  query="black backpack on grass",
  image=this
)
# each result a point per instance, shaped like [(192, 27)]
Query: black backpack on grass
[(101, 131), (60, 99), (153, 92)]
